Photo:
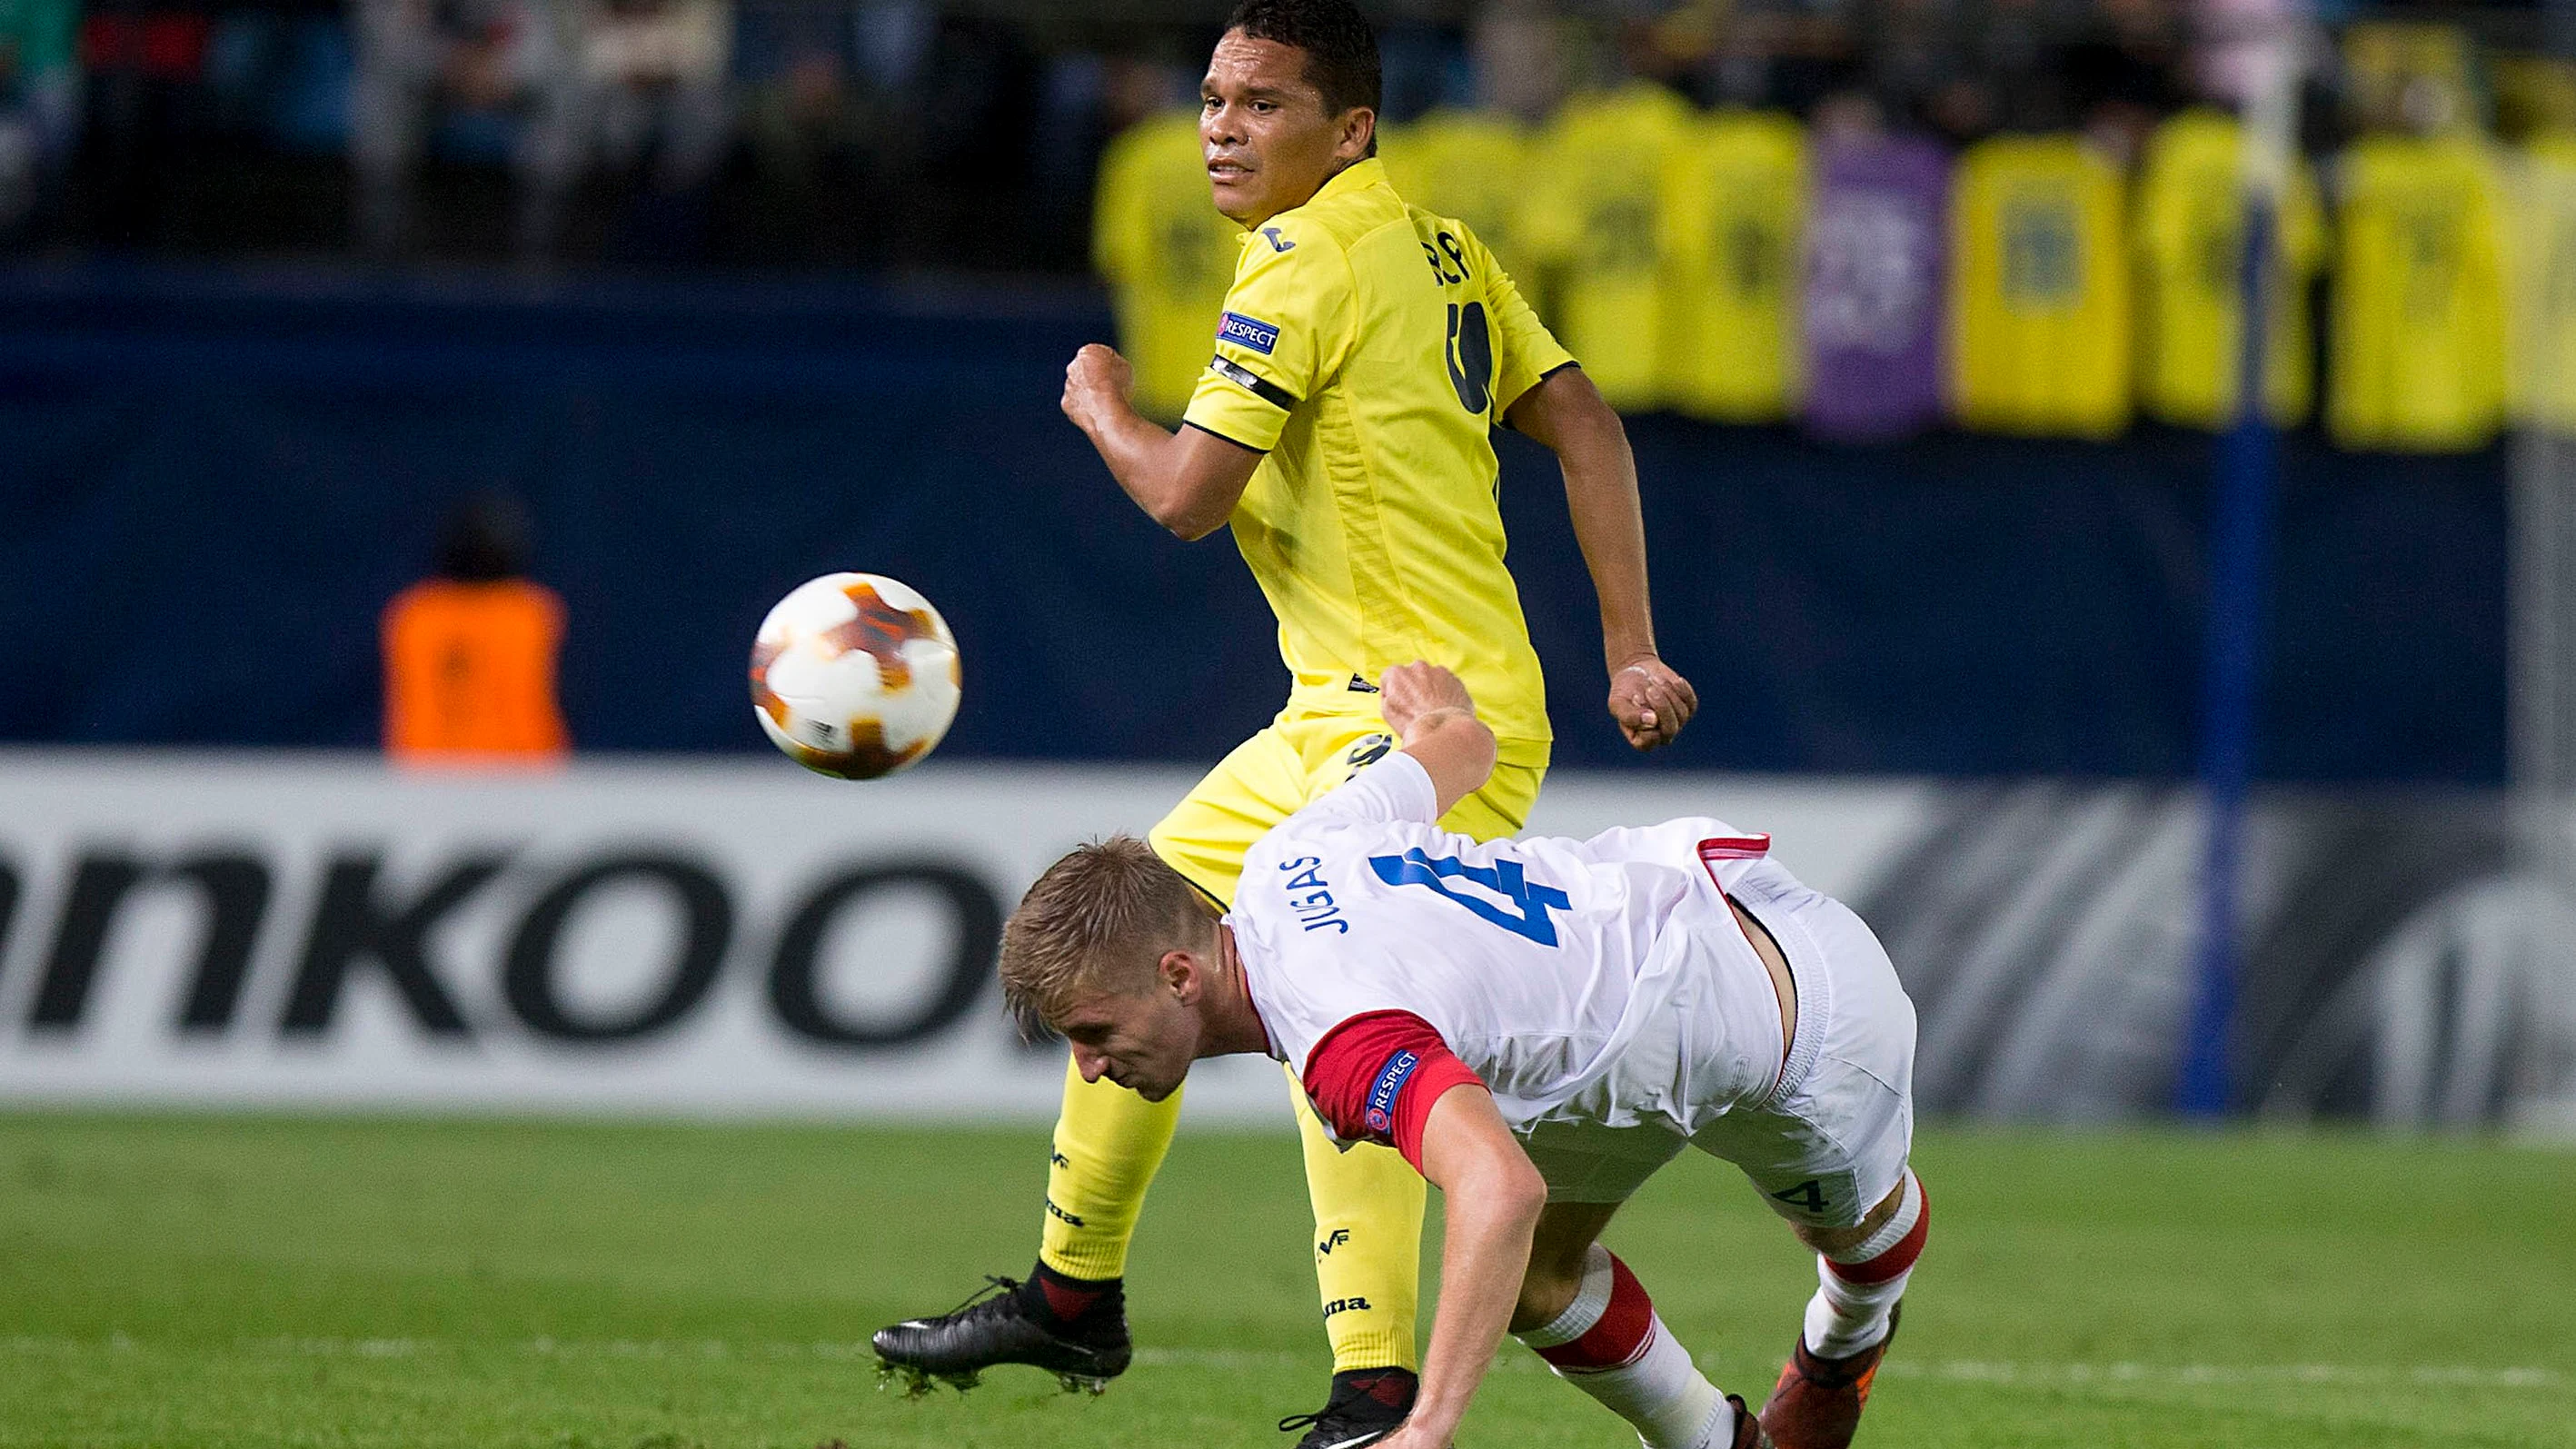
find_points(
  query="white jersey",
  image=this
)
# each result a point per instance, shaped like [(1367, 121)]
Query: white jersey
[(1601, 981)]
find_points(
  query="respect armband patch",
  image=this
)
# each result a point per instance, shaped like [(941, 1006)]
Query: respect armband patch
[(1390, 1082), (1249, 332)]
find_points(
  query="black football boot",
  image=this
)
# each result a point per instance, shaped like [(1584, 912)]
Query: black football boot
[(1365, 1406), (1011, 1321)]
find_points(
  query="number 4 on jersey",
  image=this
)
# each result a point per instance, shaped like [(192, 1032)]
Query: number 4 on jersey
[(1503, 878), (1808, 1195)]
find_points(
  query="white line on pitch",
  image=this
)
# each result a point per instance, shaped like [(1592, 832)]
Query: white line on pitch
[(2035, 1374), (2038, 1374)]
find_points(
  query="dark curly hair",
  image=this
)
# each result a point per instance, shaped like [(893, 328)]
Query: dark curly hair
[(1340, 46)]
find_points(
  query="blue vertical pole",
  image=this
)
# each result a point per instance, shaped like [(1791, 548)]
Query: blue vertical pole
[(2240, 544)]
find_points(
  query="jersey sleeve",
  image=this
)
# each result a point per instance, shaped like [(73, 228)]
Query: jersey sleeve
[(1285, 331), (1396, 789), (1524, 350), (1374, 1078)]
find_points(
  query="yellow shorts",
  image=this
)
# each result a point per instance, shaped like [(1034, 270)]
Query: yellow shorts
[(1277, 772)]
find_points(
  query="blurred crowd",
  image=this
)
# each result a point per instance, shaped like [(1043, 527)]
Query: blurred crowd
[(967, 132), (2000, 232)]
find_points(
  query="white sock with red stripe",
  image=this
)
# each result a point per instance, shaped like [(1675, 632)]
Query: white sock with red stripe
[(1609, 1343), (1858, 1288)]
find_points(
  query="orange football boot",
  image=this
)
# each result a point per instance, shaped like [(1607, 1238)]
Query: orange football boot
[(1817, 1403)]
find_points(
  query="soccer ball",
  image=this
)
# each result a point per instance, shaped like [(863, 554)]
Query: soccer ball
[(854, 675)]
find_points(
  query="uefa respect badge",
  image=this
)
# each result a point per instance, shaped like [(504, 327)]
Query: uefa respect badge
[(1249, 332)]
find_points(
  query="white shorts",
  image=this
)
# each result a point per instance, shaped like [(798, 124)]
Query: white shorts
[(1833, 1138)]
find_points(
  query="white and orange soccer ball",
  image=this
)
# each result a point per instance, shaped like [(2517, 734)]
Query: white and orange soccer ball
[(854, 675)]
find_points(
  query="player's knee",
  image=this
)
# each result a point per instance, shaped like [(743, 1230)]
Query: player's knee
[(1551, 1281), (1895, 1227), (1545, 1292)]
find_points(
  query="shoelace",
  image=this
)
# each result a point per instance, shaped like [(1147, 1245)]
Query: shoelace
[(992, 1286), (1341, 1396)]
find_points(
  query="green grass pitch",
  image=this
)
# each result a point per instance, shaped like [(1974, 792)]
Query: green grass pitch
[(219, 1281)]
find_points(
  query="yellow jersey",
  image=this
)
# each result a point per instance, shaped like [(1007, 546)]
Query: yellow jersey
[(2191, 243), (1592, 220), (2543, 374), (1167, 254), (1735, 205), (1367, 348), (2039, 293), (2418, 343), (1466, 164)]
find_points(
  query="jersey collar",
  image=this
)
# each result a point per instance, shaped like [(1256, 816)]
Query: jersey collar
[(1358, 176)]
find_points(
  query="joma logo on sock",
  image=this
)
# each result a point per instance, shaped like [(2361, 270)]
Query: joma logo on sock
[(1069, 1218), (1340, 1304), (1337, 1237)]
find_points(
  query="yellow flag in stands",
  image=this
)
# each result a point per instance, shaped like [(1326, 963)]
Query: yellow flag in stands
[(1167, 255), (1593, 222), (2039, 293), (1734, 207), (2542, 375), (1466, 164), (2191, 243), (2419, 331)]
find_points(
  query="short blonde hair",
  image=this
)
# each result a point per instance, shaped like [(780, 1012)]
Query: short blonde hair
[(1096, 921)]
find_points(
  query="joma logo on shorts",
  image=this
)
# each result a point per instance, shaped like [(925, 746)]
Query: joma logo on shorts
[(1340, 1304)]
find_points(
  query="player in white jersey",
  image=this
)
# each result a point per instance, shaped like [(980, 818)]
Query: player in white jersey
[(1537, 1026)]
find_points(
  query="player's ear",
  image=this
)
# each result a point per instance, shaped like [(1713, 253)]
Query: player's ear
[(1358, 138), (1181, 975)]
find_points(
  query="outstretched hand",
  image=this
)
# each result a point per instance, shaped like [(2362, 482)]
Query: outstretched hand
[(1407, 692), (1650, 701)]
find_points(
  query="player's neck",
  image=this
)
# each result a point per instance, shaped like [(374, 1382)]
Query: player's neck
[(1233, 1023), (1256, 223)]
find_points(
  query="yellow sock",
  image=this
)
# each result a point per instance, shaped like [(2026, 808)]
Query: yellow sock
[(1108, 1142), (1368, 1245)]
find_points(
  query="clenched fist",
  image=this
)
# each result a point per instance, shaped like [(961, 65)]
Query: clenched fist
[(1407, 692), (1097, 384), (1650, 701)]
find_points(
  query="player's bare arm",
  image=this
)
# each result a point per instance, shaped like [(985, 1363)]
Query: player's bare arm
[(1271, 144), (1494, 1196), (1649, 699), (1187, 481), (1432, 714)]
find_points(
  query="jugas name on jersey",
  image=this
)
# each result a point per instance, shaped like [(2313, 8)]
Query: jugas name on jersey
[(1315, 908)]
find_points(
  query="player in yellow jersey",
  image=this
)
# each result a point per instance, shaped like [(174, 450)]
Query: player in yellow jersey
[(1343, 430)]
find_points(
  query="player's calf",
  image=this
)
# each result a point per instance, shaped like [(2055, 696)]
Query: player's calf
[(1825, 1385), (1610, 1343)]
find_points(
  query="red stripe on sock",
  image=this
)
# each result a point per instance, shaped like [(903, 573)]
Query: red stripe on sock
[(1896, 1259), (1620, 1338), (1068, 1303)]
